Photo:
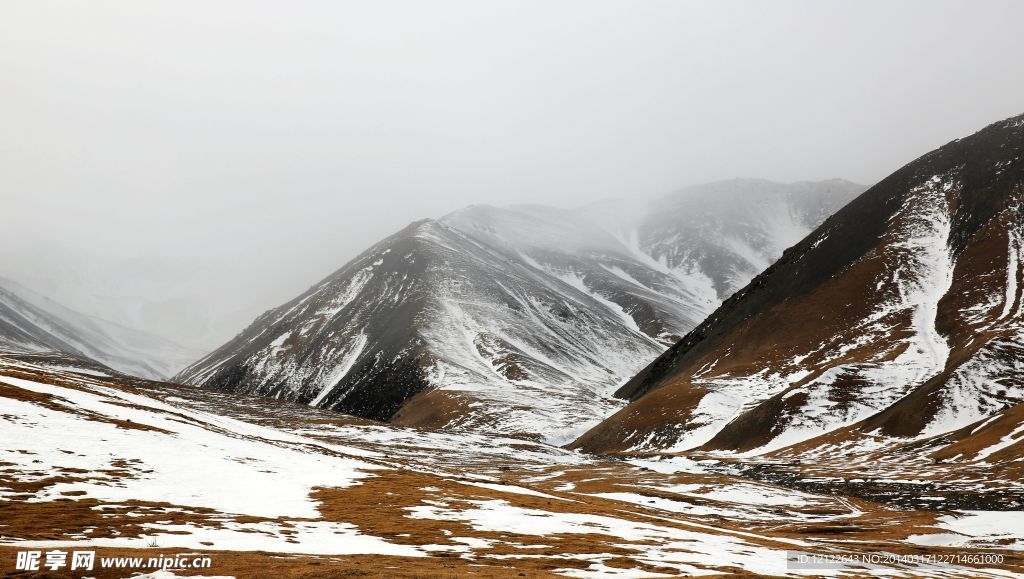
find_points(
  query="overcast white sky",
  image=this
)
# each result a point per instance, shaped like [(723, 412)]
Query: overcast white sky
[(284, 137)]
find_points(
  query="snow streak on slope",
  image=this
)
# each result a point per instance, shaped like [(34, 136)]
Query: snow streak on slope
[(918, 259), (727, 232), (30, 322), (992, 377), (918, 273), (522, 320), (343, 368), (898, 317), (526, 352)]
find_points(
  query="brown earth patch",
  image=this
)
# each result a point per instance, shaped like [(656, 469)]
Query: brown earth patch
[(244, 564), (433, 409)]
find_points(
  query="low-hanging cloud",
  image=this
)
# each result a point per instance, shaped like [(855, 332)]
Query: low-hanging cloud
[(248, 148)]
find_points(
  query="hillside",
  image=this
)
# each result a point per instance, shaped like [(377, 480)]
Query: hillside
[(519, 320), (899, 317)]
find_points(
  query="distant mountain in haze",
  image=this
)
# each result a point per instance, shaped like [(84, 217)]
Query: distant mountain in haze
[(33, 323), (519, 320), (184, 300), (899, 317)]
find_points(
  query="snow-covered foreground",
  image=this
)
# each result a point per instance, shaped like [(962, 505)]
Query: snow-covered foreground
[(117, 464)]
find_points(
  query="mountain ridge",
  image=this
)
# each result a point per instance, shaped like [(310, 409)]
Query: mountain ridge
[(849, 321), (519, 320)]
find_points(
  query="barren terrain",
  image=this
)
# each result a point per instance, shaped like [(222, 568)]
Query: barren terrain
[(128, 466)]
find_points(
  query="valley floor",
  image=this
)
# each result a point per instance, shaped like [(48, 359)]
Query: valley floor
[(129, 468)]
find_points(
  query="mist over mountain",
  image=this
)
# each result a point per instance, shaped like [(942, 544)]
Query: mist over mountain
[(898, 318), (518, 320), (34, 323), (198, 302), (512, 288)]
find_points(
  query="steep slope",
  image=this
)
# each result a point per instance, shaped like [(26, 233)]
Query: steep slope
[(30, 322), (899, 316), (520, 320)]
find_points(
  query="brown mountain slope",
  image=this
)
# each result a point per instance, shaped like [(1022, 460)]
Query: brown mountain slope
[(903, 311)]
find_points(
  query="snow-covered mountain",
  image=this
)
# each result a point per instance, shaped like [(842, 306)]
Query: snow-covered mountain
[(519, 320), (900, 317), (30, 323), (727, 232)]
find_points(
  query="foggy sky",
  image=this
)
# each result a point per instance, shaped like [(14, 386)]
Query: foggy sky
[(260, 145)]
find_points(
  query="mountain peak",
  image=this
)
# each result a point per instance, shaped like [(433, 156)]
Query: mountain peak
[(520, 320)]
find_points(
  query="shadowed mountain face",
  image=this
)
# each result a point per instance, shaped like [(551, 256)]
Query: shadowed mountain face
[(32, 323), (520, 320), (900, 316)]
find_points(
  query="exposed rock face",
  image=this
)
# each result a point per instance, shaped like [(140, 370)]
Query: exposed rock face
[(899, 316), (519, 320)]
